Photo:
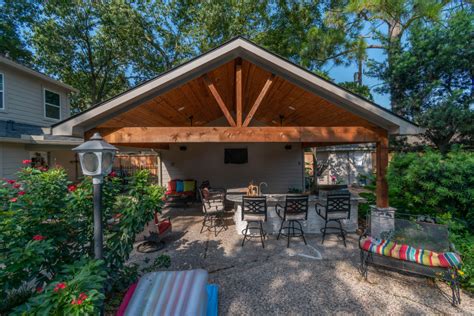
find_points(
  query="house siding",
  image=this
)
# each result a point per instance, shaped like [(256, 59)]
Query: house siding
[(11, 159), (280, 168), (24, 98)]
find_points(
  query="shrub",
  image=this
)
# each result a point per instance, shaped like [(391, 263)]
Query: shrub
[(440, 186), (46, 235), (430, 183), (78, 290)]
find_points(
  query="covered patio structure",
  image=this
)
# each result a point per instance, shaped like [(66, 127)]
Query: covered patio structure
[(240, 95)]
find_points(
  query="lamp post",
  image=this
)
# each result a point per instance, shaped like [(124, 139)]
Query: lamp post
[(97, 158)]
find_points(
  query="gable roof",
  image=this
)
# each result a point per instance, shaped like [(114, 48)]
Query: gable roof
[(7, 61), (235, 48)]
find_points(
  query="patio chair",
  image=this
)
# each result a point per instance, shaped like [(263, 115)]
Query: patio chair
[(337, 208), (213, 207), (294, 211), (154, 242), (254, 212)]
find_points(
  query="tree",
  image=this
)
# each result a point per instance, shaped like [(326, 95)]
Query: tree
[(13, 16), (357, 88), (434, 75), (101, 48), (398, 17)]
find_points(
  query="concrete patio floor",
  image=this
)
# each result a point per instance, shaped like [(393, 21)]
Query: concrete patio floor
[(280, 281)]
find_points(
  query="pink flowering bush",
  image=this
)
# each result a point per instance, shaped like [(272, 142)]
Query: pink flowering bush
[(77, 291), (46, 228)]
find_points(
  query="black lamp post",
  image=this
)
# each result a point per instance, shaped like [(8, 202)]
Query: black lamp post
[(97, 159)]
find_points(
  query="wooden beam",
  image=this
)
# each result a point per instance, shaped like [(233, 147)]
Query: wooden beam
[(259, 100), (381, 165), (326, 144), (144, 145), (196, 134), (212, 88), (238, 91)]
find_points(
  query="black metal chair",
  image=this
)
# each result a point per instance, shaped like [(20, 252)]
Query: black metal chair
[(295, 210), (337, 208), (254, 211), (213, 207)]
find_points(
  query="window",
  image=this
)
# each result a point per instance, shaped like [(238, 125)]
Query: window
[(2, 93), (52, 106)]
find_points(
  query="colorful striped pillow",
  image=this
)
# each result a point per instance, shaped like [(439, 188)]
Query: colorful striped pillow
[(407, 253)]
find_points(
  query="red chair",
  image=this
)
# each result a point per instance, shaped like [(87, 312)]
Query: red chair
[(155, 242)]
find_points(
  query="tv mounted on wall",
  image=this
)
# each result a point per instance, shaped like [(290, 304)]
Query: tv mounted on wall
[(235, 155)]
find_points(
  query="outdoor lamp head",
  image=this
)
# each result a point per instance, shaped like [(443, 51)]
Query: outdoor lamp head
[(96, 156)]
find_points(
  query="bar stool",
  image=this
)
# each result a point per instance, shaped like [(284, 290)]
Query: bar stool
[(337, 208), (254, 212), (295, 210), (213, 208)]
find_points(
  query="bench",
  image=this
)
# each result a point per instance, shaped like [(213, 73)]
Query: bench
[(180, 192), (410, 245)]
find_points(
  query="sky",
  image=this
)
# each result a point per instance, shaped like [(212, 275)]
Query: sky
[(343, 73), (346, 73)]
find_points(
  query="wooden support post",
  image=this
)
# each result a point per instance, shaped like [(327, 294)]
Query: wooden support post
[(382, 163), (238, 91)]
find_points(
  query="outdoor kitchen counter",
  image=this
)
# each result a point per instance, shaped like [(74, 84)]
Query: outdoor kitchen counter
[(311, 226)]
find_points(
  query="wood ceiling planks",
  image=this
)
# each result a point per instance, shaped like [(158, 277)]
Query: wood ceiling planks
[(193, 99)]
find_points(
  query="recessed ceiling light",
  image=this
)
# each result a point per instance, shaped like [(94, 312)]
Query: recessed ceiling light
[(274, 122), (181, 108), (291, 108)]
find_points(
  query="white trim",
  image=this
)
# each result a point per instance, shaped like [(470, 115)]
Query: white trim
[(37, 74), (53, 105), (3, 108), (236, 48)]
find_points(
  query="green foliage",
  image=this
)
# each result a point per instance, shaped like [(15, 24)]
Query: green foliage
[(78, 290), (440, 186), (430, 79), (14, 15), (46, 229), (361, 90), (430, 183)]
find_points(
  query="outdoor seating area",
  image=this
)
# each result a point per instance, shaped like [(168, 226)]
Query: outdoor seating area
[(181, 192), (413, 244), (247, 275)]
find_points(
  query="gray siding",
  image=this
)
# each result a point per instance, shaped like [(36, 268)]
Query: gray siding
[(11, 159), (272, 163), (24, 98)]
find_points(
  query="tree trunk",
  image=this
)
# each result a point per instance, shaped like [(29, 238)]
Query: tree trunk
[(394, 47)]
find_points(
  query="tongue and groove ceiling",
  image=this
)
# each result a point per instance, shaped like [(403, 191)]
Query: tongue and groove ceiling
[(283, 103)]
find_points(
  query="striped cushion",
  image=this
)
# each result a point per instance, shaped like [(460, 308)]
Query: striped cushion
[(170, 293), (407, 253)]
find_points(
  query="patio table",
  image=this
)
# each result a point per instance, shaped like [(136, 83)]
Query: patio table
[(272, 225)]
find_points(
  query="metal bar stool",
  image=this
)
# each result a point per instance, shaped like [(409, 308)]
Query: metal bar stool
[(213, 207), (254, 212), (295, 210), (337, 208)]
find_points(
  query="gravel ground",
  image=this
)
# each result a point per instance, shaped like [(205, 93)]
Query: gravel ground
[(281, 281)]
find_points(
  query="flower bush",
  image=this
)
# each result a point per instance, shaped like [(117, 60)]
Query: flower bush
[(78, 291), (46, 238)]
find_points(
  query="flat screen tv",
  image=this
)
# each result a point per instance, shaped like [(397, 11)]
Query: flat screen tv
[(235, 155)]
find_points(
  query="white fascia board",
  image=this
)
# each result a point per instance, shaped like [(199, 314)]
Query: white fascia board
[(76, 125)]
